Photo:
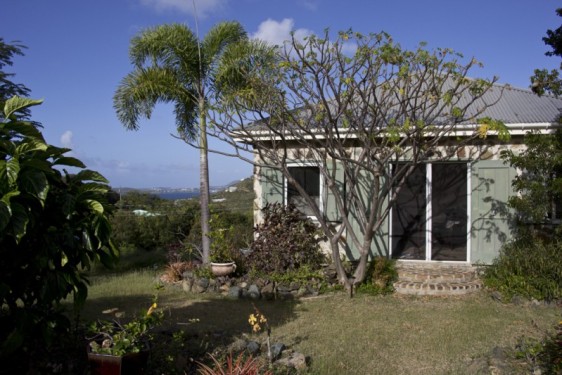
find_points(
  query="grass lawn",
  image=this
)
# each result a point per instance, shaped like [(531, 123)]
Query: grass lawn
[(363, 335)]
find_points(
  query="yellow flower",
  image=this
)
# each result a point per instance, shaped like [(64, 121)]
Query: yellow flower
[(252, 320), (151, 309), (483, 130)]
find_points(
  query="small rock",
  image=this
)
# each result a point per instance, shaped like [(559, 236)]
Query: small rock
[(294, 360), (518, 300), (234, 292), (253, 347), (254, 292), (267, 292), (497, 296), (238, 346), (276, 350), (187, 284), (243, 284), (294, 285), (224, 288)]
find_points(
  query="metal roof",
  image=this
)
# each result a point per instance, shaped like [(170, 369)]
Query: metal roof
[(519, 106)]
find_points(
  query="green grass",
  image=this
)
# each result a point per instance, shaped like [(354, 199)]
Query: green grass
[(364, 335)]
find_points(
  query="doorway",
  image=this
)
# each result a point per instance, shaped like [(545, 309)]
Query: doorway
[(429, 220)]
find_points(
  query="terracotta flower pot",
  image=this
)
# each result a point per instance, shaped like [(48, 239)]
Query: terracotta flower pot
[(128, 364), (223, 269)]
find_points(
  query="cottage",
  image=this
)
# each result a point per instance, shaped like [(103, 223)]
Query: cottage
[(450, 209)]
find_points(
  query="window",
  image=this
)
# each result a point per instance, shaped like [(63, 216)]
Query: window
[(308, 177)]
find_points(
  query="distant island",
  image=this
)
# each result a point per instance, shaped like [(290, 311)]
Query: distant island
[(176, 193)]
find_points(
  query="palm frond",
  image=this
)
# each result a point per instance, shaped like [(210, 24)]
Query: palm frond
[(217, 39), (140, 90), (172, 45)]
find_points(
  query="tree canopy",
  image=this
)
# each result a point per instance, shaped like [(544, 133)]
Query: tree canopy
[(544, 81)]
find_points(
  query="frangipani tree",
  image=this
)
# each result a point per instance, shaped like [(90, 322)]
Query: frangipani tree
[(365, 120)]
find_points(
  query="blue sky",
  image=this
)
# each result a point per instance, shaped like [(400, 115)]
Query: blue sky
[(78, 52)]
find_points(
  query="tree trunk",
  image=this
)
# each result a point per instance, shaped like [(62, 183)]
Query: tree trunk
[(204, 184)]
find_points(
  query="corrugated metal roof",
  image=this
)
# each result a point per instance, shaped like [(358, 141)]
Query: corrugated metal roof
[(518, 106)]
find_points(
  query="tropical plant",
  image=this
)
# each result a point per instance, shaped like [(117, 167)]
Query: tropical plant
[(113, 337), (241, 365), (53, 225), (173, 66), (8, 88), (539, 185)]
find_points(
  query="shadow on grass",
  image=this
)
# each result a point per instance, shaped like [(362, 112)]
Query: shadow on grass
[(194, 326)]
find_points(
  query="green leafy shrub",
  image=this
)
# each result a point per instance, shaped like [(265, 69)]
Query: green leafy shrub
[(544, 354), (230, 232), (53, 226), (529, 267), (285, 241), (381, 276), (113, 337)]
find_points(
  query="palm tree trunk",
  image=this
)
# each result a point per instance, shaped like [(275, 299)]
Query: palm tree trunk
[(204, 183)]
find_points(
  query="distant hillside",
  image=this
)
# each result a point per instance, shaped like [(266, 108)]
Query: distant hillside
[(238, 197)]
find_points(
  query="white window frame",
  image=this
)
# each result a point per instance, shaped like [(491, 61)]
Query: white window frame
[(302, 164), (428, 197)]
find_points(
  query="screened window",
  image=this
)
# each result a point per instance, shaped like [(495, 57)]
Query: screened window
[(308, 177)]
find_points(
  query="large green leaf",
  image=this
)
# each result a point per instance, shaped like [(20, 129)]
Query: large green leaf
[(69, 161), (16, 103), (5, 215), (20, 219), (24, 128), (94, 205), (102, 228), (88, 175), (31, 145), (9, 171), (35, 182)]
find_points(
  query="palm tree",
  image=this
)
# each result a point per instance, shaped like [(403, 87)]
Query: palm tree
[(171, 65)]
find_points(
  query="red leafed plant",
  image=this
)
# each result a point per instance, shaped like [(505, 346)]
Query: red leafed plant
[(242, 365)]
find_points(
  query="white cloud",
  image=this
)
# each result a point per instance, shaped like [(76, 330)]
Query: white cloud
[(202, 7), (277, 33), (66, 139), (310, 4)]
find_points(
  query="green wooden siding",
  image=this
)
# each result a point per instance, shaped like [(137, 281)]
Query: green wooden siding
[(491, 189), (271, 181)]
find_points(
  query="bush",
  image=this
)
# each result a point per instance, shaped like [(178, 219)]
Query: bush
[(529, 267), (229, 232), (381, 276), (285, 241), (544, 354), (167, 225), (53, 226)]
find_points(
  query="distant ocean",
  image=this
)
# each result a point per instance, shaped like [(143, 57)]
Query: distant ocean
[(178, 195)]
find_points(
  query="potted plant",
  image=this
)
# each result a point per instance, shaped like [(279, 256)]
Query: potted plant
[(222, 262), (121, 348)]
